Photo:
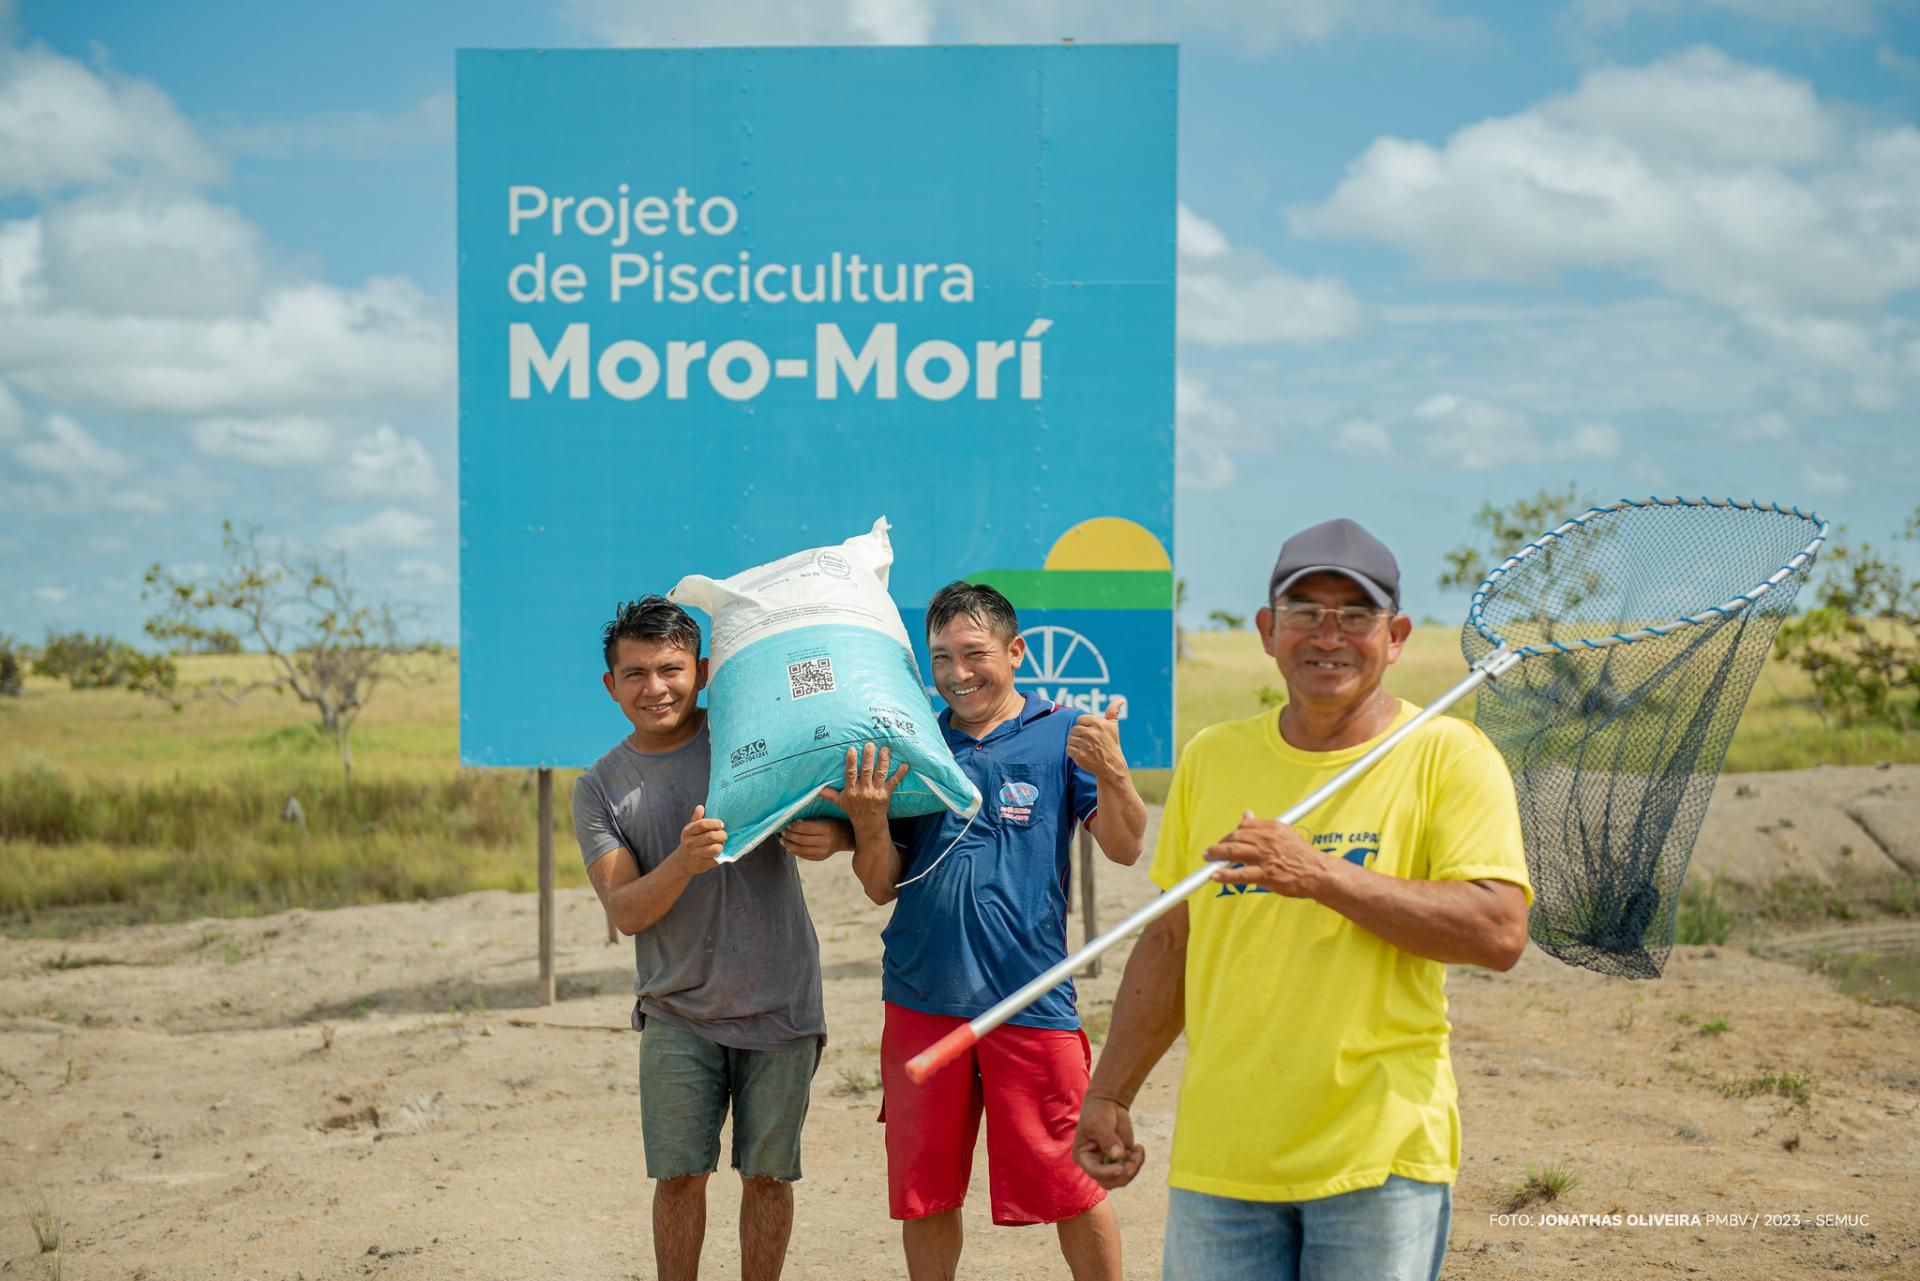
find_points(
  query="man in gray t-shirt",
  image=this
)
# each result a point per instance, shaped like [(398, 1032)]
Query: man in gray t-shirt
[(727, 967), (735, 960)]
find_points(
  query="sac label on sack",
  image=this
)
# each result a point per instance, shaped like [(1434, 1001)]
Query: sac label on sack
[(809, 657)]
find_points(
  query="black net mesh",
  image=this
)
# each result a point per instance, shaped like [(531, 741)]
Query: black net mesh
[(1614, 751)]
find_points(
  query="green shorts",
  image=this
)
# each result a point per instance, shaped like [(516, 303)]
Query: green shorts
[(686, 1085)]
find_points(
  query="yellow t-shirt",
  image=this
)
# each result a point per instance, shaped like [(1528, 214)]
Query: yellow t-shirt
[(1317, 1051)]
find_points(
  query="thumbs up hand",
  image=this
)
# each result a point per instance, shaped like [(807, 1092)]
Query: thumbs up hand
[(1094, 744), (701, 841)]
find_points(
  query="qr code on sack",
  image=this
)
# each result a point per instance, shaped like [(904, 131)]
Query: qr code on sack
[(815, 676)]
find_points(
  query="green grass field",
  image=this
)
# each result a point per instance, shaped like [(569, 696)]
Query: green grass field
[(113, 807)]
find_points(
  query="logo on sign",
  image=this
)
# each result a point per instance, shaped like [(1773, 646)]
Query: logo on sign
[(1066, 668)]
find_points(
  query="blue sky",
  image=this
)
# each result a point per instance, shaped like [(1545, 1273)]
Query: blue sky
[(1431, 254)]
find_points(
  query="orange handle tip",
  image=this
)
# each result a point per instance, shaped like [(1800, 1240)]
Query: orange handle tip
[(940, 1053)]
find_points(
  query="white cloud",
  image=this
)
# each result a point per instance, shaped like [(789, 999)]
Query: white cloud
[(1201, 463), (347, 133), (1255, 26), (422, 572), (292, 441), (1266, 308), (1200, 468), (1868, 366), (1362, 438), (1590, 442), (141, 254), (63, 126), (773, 22), (77, 476), (1851, 16), (1700, 106), (1644, 377), (52, 595), (1235, 297), (1452, 432), (310, 344), (1888, 58), (1769, 427), (13, 419), (389, 529), (20, 263), (385, 464), (69, 449), (1826, 480), (1711, 177), (141, 296), (1198, 239), (1468, 434)]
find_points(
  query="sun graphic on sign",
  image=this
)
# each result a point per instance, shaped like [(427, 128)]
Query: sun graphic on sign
[(1108, 542), (1104, 563)]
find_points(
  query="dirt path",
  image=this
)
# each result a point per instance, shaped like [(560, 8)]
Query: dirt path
[(374, 1092)]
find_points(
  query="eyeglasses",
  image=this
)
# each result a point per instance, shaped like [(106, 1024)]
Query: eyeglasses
[(1353, 620)]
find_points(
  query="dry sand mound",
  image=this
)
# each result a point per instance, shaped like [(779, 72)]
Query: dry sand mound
[(1845, 827)]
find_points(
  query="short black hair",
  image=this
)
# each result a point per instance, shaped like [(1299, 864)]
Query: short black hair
[(979, 602), (651, 618)]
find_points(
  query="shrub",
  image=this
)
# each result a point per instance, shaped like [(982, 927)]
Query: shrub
[(1703, 918), (100, 662), (13, 667), (1860, 645)]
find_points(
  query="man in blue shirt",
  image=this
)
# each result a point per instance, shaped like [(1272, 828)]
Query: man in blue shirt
[(981, 908)]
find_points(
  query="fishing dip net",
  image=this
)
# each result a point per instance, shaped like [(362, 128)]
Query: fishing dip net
[(1641, 627), (1612, 656)]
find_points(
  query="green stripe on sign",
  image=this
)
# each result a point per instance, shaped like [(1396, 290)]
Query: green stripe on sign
[(1082, 588)]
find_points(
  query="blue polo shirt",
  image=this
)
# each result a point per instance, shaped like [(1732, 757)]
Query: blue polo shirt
[(993, 914)]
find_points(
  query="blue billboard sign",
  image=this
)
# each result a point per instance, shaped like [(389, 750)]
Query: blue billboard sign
[(721, 305)]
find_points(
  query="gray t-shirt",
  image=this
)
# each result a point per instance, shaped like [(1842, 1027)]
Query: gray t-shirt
[(735, 959)]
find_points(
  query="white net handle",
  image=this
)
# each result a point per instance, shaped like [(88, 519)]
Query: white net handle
[(1713, 613)]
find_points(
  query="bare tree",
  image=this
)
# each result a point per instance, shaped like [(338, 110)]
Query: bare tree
[(325, 644), (1504, 529)]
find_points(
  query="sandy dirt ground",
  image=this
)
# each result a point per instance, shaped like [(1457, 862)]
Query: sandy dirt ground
[(376, 1092)]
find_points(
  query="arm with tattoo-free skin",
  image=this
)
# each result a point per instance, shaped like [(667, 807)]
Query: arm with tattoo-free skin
[(634, 900), (1458, 922), (867, 792), (1148, 1013), (1120, 825)]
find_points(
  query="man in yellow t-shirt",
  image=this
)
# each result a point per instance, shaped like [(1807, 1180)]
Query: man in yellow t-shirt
[(1318, 1136)]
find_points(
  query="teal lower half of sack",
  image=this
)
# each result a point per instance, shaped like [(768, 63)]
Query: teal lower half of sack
[(785, 711)]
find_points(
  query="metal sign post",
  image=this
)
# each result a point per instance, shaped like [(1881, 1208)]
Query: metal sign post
[(1089, 904), (546, 886)]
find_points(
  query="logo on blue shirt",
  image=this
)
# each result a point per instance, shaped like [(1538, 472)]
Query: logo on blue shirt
[(1016, 802)]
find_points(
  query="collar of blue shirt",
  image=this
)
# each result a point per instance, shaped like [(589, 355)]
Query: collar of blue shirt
[(1030, 711)]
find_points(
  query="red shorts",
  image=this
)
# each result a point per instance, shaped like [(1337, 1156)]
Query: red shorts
[(1028, 1080)]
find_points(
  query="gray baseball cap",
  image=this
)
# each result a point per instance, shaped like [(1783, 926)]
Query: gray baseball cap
[(1338, 547)]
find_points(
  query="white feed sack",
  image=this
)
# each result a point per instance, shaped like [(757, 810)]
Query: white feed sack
[(808, 658)]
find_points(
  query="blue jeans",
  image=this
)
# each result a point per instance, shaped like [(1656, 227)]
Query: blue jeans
[(1395, 1232)]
